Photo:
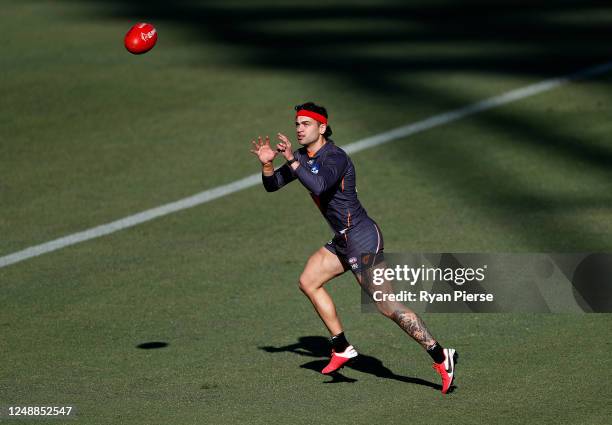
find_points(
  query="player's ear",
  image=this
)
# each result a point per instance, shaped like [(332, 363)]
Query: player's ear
[(322, 128)]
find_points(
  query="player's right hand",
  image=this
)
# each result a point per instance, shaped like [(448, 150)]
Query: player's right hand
[(263, 150)]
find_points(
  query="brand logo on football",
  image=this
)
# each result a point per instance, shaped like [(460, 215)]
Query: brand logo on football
[(147, 35)]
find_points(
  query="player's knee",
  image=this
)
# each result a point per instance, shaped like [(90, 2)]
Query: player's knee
[(306, 284), (303, 284)]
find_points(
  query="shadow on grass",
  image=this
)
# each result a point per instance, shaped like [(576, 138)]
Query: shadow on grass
[(318, 346), (153, 345), (506, 192), (376, 47), (367, 44)]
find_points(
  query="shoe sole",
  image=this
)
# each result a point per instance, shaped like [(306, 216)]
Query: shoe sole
[(455, 362)]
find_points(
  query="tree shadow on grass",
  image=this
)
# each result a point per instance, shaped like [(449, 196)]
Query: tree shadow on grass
[(505, 192), (376, 47), (368, 44), (318, 346)]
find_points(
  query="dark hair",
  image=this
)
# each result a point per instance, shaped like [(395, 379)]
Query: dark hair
[(310, 106)]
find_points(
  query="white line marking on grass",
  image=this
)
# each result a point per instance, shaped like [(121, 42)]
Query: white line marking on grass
[(255, 179)]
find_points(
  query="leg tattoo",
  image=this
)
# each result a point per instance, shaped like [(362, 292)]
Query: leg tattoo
[(413, 326)]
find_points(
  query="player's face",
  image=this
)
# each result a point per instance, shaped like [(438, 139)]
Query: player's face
[(308, 130)]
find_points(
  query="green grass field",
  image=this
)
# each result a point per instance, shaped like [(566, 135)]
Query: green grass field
[(90, 134)]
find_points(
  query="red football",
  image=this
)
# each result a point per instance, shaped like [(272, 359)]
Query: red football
[(140, 38)]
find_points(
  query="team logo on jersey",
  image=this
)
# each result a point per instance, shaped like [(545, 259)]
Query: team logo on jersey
[(314, 169)]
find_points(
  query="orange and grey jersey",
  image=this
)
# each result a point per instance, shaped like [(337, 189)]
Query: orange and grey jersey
[(329, 176)]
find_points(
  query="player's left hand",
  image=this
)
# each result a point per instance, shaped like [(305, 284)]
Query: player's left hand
[(284, 146)]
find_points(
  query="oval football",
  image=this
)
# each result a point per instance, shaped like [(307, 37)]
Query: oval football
[(140, 38)]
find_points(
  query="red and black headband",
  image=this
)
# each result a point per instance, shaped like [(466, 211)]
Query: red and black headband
[(306, 113)]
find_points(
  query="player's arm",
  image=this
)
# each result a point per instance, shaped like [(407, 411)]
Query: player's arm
[(272, 180), (278, 179), (329, 173)]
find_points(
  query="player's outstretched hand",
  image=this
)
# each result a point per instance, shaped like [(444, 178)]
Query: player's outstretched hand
[(284, 147), (263, 150)]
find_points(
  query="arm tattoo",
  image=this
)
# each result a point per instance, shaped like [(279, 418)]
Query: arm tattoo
[(413, 326)]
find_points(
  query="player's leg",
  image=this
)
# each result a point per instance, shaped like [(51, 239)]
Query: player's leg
[(367, 238), (405, 318), (321, 267), (410, 322)]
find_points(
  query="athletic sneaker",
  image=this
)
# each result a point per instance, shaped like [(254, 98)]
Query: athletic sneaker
[(446, 369), (338, 360)]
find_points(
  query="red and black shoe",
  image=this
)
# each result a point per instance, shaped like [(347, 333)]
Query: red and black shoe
[(338, 360), (446, 369)]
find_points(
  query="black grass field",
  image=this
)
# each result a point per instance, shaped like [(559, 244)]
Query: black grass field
[(196, 317)]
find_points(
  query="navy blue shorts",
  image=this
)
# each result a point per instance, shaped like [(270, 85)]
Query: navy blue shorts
[(364, 238)]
